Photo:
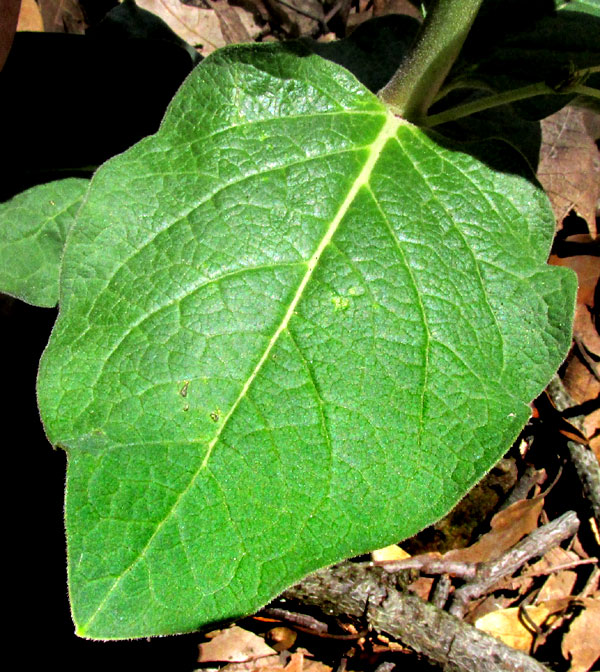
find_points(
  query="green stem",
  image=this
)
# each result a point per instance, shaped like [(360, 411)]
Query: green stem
[(454, 113), (417, 81), (497, 99), (583, 90)]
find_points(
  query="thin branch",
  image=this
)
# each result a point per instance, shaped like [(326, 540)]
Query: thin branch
[(584, 90), (585, 462), (534, 545), (432, 564), (362, 590)]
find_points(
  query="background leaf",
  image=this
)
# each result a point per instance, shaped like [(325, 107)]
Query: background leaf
[(33, 228), (514, 44), (590, 7), (293, 329)]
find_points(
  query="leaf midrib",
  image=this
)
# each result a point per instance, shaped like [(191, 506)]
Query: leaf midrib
[(387, 132)]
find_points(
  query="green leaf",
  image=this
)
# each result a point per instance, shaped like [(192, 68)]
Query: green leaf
[(33, 228), (543, 47), (589, 7), (293, 328)]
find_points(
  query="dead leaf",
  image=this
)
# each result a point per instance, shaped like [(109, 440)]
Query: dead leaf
[(557, 586), (587, 268), (62, 16), (234, 645), (266, 664), (490, 604), (569, 167), (297, 663), (507, 625), (209, 28), (555, 557), (422, 587), (384, 7), (591, 426), (581, 644), (580, 383), (298, 17), (281, 638), (578, 379), (30, 17), (232, 27), (8, 25), (305, 665), (389, 553), (508, 527)]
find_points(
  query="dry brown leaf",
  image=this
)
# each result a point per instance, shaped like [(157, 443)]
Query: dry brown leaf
[(506, 625), (305, 664), (583, 386), (297, 663), (234, 645), (310, 665), (557, 585), (569, 167), (587, 268), (422, 587), (555, 557), (580, 383), (8, 25), (578, 380), (62, 16), (591, 426), (233, 29), (393, 552), (266, 664), (30, 17), (490, 604), (384, 7), (298, 17), (211, 28), (281, 638), (581, 644), (508, 527)]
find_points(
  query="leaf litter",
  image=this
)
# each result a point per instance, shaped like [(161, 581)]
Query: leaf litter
[(558, 593)]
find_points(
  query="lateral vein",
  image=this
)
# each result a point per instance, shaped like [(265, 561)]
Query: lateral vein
[(387, 132)]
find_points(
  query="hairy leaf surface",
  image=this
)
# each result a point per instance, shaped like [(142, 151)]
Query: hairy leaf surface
[(33, 229), (293, 328)]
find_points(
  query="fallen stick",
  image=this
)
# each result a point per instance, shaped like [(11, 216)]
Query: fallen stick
[(363, 590), (534, 545), (585, 462)]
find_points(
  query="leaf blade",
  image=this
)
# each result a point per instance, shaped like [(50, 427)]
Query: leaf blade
[(302, 379), (34, 226)]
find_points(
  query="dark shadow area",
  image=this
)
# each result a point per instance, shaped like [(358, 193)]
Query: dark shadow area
[(70, 102), (38, 602)]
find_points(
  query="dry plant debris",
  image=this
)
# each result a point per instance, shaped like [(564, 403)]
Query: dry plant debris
[(30, 17), (208, 27), (569, 164)]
